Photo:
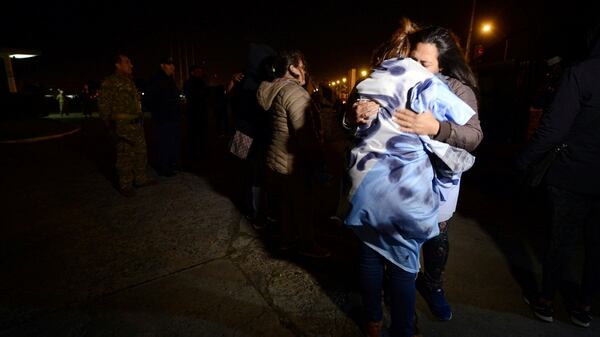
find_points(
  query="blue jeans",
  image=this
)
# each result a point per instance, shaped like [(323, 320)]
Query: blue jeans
[(402, 288)]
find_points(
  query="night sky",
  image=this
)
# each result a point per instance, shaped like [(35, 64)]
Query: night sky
[(77, 38)]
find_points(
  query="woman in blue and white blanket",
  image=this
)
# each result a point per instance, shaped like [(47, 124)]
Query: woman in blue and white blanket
[(404, 184)]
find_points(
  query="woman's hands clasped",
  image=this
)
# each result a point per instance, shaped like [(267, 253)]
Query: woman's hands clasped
[(424, 123)]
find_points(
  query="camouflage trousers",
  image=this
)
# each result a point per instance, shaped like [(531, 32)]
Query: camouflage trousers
[(131, 153)]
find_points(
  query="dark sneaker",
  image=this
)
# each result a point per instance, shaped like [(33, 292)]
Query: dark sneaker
[(127, 192), (581, 318), (543, 311), (436, 300)]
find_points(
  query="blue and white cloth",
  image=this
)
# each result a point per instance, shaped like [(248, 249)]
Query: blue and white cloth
[(399, 179)]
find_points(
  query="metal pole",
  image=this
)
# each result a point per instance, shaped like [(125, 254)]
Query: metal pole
[(193, 54), (470, 36), (353, 77), (187, 64), (10, 75), (180, 61)]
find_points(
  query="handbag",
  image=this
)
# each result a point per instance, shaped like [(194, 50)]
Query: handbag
[(537, 171), (240, 144)]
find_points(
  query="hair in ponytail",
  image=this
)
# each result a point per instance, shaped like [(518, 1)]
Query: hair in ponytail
[(397, 45)]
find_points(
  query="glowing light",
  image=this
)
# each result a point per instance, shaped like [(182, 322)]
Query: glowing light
[(337, 82), (486, 28), (22, 56), (344, 80), (363, 73)]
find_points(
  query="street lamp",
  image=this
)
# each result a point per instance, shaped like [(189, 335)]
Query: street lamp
[(8, 55), (488, 28), (21, 56)]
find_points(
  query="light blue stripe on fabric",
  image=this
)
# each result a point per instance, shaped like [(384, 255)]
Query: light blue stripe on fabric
[(397, 196)]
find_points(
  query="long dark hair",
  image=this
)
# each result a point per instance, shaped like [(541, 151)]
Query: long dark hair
[(450, 55)]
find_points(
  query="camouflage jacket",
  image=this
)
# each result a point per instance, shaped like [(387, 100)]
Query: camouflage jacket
[(119, 96)]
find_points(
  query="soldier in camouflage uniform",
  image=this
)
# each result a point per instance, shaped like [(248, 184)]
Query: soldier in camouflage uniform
[(120, 107)]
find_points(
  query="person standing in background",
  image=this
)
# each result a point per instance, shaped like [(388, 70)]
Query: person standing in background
[(572, 123), (60, 97), (195, 90), (121, 110), (293, 152), (164, 104)]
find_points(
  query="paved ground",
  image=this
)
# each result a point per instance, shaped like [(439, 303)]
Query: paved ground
[(78, 259)]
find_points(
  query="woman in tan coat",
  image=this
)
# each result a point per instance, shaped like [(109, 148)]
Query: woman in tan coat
[(293, 152)]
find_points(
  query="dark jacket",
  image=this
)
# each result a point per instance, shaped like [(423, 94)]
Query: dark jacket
[(573, 119), (196, 92), (163, 99), (250, 117)]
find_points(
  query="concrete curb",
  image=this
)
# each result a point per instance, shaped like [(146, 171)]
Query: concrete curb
[(39, 139)]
